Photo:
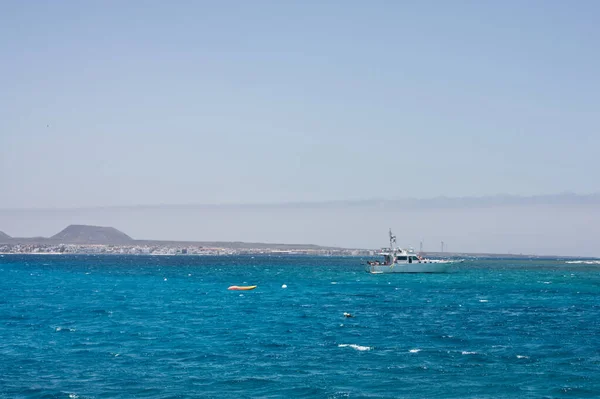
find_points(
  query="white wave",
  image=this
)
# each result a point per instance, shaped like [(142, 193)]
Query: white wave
[(468, 353), (483, 300), (585, 262), (65, 329), (522, 357), (415, 350), (357, 347)]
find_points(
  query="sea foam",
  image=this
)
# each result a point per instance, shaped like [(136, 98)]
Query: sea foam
[(357, 347)]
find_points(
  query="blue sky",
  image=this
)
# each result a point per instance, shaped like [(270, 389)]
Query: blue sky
[(123, 103)]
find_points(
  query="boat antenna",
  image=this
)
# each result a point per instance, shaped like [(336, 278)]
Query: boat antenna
[(392, 239)]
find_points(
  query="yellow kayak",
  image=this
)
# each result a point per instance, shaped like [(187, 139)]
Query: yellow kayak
[(242, 288)]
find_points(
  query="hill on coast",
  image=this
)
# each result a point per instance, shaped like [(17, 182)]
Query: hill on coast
[(4, 236), (99, 235), (89, 235)]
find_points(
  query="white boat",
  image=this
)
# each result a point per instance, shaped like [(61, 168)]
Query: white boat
[(398, 260)]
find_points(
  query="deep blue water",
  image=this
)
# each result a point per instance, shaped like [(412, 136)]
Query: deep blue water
[(167, 327)]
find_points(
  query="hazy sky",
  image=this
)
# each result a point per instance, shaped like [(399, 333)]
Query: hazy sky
[(120, 103), (570, 226)]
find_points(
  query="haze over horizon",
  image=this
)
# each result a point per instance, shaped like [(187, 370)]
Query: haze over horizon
[(438, 201), (565, 224), (125, 104)]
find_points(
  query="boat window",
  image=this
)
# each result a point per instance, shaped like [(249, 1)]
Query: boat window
[(401, 258), (414, 258)]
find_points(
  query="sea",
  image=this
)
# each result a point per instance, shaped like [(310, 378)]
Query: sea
[(315, 327)]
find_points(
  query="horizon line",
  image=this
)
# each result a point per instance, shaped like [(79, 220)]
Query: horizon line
[(471, 200)]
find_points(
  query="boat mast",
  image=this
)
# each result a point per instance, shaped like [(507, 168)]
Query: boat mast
[(392, 240), (392, 247)]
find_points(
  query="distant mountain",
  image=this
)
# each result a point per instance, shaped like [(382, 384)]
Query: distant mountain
[(4, 236), (82, 234), (97, 235)]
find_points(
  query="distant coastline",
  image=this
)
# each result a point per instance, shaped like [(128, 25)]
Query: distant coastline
[(85, 239), (99, 240), (187, 251)]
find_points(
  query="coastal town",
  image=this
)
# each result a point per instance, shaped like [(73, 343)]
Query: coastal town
[(102, 249), (89, 240)]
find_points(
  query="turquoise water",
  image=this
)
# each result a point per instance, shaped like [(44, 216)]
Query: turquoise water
[(167, 327)]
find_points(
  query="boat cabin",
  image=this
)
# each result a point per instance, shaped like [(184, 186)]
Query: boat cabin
[(398, 256)]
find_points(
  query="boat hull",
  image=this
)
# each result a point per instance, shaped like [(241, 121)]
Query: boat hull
[(409, 268)]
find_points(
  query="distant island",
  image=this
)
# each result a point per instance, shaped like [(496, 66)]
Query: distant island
[(85, 239), (99, 239)]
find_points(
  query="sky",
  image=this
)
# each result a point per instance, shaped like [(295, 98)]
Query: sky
[(235, 102), (124, 103)]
